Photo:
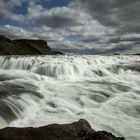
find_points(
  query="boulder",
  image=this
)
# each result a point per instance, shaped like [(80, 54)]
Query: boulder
[(80, 130)]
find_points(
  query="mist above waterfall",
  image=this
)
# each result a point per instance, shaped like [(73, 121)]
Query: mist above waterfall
[(41, 90)]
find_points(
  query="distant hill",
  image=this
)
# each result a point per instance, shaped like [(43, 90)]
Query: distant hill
[(25, 47)]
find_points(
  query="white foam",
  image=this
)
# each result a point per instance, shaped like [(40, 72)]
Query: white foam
[(61, 89)]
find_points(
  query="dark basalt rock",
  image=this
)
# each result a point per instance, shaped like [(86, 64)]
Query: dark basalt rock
[(24, 47), (80, 130)]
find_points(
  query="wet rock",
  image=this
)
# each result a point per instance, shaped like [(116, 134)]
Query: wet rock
[(80, 130)]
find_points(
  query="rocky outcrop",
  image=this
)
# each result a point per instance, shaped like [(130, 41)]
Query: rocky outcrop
[(80, 130), (24, 47)]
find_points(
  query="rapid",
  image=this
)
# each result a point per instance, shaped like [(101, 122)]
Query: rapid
[(40, 90)]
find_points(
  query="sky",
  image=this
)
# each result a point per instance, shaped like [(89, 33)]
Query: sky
[(75, 26)]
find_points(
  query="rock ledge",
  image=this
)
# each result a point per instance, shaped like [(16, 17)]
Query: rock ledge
[(80, 130)]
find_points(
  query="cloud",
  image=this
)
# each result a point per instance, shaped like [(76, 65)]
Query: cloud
[(44, 33), (6, 8), (122, 15), (85, 45), (49, 34), (14, 32), (125, 38), (56, 17), (84, 26)]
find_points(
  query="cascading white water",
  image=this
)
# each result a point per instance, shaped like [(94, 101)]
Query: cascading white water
[(40, 90)]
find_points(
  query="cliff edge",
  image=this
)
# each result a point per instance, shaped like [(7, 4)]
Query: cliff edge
[(25, 47)]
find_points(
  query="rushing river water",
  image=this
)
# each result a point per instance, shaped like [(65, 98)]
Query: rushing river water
[(40, 90)]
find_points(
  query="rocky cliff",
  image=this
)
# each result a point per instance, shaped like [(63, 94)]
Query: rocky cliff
[(80, 130), (24, 47)]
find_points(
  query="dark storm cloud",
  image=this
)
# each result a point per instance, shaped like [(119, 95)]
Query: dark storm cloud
[(122, 14), (90, 39), (57, 21), (55, 18), (126, 39)]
